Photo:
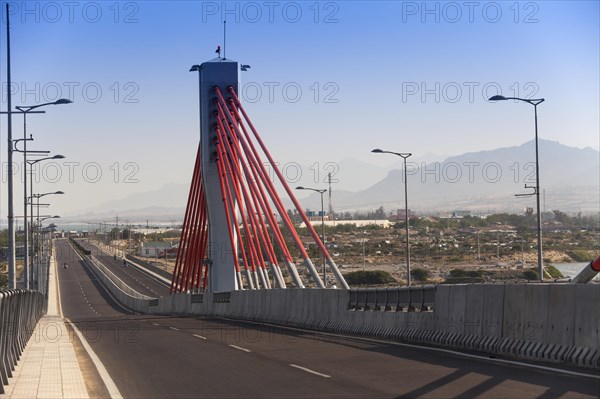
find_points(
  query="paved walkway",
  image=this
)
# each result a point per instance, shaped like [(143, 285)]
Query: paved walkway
[(48, 367)]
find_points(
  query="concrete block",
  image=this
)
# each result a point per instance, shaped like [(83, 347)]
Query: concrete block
[(493, 310), (456, 308), (473, 316), (587, 315), (515, 298), (561, 315), (442, 304)]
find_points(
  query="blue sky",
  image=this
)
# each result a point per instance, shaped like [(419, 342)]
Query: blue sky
[(405, 76)]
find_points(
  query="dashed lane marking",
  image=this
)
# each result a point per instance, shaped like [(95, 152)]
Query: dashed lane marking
[(310, 371), (240, 348)]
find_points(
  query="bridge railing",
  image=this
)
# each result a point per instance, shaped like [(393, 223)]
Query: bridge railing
[(20, 310), (402, 299)]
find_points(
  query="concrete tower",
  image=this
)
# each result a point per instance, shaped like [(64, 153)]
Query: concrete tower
[(222, 73)]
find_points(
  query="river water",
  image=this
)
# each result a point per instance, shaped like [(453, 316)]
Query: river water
[(571, 269)]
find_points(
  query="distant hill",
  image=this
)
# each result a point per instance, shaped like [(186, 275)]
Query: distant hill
[(486, 181), (483, 181)]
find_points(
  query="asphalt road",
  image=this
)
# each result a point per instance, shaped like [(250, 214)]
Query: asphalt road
[(175, 357), (132, 276)]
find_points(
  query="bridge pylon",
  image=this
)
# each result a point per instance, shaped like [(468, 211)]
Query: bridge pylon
[(236, 229)]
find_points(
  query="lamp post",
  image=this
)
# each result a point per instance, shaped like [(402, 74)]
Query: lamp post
[(38, 196), (44, 271), (535, 102), (25, 109), (404, 156), (363, 248), (22, 109), (321, 191), (31, 163)]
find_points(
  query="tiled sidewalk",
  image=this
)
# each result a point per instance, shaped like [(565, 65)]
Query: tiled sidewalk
[(48, 367)]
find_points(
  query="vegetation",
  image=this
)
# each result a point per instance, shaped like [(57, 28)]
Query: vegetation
[(419, 274), (368, 277), (530, 274), (579, 255), (3, 281), (553, 271), (466, 273)]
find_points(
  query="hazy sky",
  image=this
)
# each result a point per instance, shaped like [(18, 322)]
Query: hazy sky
[(329, 80)]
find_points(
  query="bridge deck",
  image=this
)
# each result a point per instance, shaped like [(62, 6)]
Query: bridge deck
[(171, 357)]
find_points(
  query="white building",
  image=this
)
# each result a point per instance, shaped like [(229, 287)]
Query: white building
[(358, 223), (152, 249)]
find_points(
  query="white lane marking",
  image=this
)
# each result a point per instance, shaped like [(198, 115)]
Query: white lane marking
[(57, 282), (240, 348), (310, 371), (155, 324), (199, 336), (108, 381), (173, 328), (432, 349)]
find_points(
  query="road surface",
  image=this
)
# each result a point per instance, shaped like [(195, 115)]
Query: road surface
[(178, 357)]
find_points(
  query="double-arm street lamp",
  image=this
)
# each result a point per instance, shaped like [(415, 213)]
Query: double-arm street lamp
[(535, 102), (23, 109), (321, 191), (42, 272), (38, 220), (404, 156), (31, 164)]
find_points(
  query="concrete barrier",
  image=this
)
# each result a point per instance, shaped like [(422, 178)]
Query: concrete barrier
[(549, 322)]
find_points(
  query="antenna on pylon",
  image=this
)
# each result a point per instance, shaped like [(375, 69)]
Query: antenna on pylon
[(224, 37)]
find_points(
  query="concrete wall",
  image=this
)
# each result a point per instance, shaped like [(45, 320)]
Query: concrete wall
[(550, 322)]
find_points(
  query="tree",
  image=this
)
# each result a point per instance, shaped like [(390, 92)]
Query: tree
[(115, 233)]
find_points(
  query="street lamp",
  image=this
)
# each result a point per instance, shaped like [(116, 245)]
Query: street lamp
[(363, 248), (44, 270), (31, 163), (24, 109), (33, 237), (535, 102), (321, 191), (404, 156)]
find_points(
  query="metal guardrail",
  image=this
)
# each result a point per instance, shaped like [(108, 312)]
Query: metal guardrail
[(197, 298), (402, 299), (222, 297), (20, 310)]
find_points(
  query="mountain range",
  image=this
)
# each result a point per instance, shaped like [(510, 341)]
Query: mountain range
[(483, 182)]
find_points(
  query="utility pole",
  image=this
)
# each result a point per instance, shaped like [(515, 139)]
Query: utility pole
[(330, 204), (12, 281)]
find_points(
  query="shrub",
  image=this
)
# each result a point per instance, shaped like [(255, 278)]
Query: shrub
[(553, 272), (530, 274), (419, 274), (579, 255), (466, 273), (368, 277)]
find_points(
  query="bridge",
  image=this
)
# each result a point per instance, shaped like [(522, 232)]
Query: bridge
[(241, 317)]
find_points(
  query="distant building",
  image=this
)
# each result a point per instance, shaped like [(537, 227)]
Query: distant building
[(358, 223), (460, 214), (401, 215), (152, 249)]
